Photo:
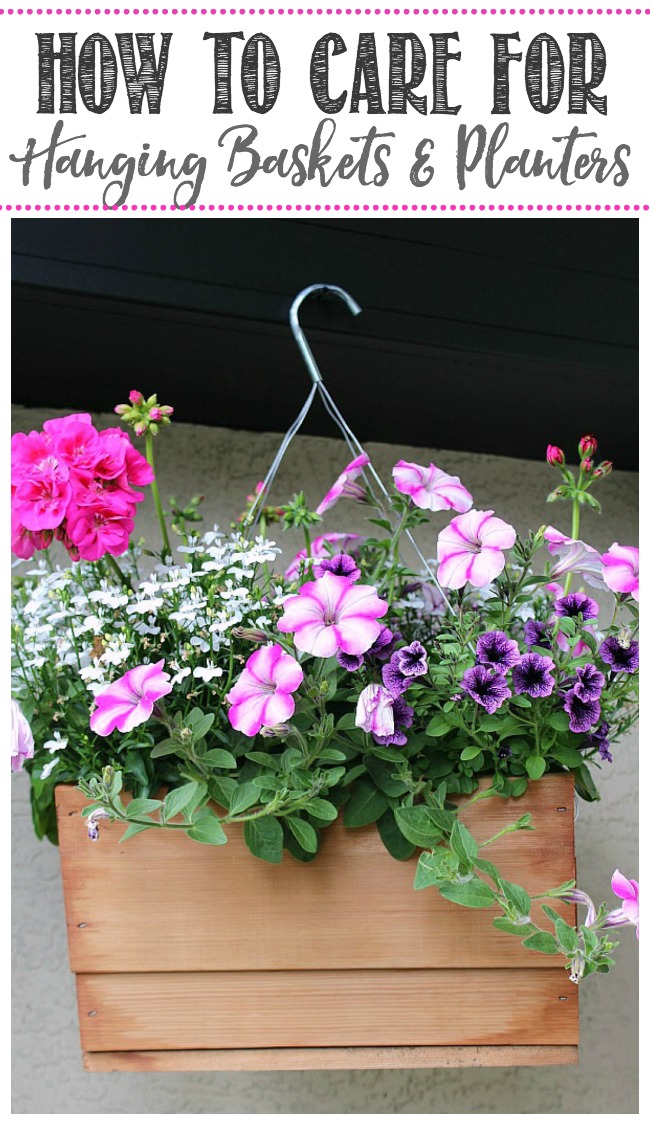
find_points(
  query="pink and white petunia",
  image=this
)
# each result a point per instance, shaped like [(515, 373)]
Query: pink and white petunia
[(345, 485), (333, 615), (129, 701), (22, 739), (374, 712), (431, 488), (574, 557), (628, 913), (471, 549), (262, 696), (320, 549), (621, 569)]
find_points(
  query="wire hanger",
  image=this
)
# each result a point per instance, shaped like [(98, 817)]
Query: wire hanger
[(318, 387)]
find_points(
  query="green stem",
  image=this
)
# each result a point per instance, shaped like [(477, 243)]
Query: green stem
[(575, 532), (167, 551), (121, 576)]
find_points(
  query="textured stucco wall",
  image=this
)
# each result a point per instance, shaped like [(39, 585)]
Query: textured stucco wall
[(47, 1066)]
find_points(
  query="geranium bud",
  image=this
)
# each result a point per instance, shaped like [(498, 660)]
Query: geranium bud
[(604, 468), (136, 398), (555, 456), (122, 408), (140, 428), (587, 446), (155, 414), (586, 465)]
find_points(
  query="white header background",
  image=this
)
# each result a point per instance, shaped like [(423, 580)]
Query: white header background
[(187, 125)]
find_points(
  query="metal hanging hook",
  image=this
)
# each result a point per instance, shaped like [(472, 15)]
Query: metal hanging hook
[(299, 335)]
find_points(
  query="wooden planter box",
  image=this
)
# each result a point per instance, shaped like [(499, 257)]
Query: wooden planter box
[(191, 957)]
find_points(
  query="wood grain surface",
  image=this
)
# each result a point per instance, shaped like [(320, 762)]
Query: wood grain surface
[(165, 903), (336, 1008), (329, 1058)]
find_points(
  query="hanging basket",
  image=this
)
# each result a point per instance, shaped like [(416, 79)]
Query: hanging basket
[(189, 957)]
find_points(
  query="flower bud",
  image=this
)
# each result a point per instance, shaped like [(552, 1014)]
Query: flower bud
[(280, 730), (605, 468), (555, 456), (155, 414), (586, 465), (140, 428), (257, 636), (122, 408), (587, 445), (136, 398), (108, 776), (577, 967)]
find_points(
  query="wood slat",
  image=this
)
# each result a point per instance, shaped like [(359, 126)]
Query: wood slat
[(165, 903), (346, 1008), (329, 1058)]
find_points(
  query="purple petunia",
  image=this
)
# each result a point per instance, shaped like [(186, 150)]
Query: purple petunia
[(601, 742), (532, 676), (621, 654), (572, 605), (497, 650), (384, 645), (536, 634), (582, 716), (350, 662), (342, 565), (589, 683), (403, 667), (487, 687), (412, 659)]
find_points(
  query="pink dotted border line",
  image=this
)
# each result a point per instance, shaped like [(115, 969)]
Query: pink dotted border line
[(325, 11), (329, 207)]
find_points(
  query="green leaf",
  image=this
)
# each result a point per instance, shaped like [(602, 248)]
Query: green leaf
[(134, 765), (332, 756), (416, 823), (566, 936), (516, 896), (535, 766), (365, 806), (222, 759), (568, 757), (520, 701), (488, 868), (178, 799), (243, 797), (221, 790), (518, 786), (264, 838), (167, 746), (382, 775), (207, 829), (323, 810), (510, 927), (427, 872), (438, 726), (463, 845), (393, 840), (585, 786), (141, 805), (469, 753), (542, 942), (304, 832), (550, 913), (134, 830), (558, 721), (200, 727), (474, 893)]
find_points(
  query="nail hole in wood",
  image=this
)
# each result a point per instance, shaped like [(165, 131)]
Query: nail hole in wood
[(563, 997), (561, 808), (82, 925), (92, 1012)]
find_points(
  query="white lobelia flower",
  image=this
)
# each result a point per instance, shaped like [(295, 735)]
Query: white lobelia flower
[(181, 675), (211, 672), (56, 742), (48, 767), (146, 605)]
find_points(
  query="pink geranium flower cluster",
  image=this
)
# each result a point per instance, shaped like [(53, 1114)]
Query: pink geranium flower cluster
[(71, 482)]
